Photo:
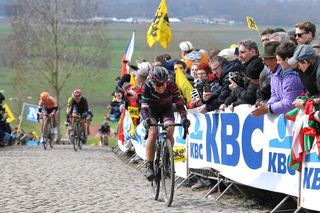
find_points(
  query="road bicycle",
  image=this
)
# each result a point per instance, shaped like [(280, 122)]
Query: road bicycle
[(47, 133), (77, 136), (164, 164)]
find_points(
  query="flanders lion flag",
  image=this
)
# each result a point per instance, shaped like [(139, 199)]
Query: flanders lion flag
[(159, 29), (252, 24)]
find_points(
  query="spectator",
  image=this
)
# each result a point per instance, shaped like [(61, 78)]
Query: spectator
[(270, 60), (285, 84), (104, 130), (228, 54), (213, 52), (114, 106), (159, 60), (193, 71), (203, 88), (305, 34), (307, 62), (186, 47), (142, 73), (281, 37), (291, 34), (221, 68), (244, 89), (183, 67), (265, 35)]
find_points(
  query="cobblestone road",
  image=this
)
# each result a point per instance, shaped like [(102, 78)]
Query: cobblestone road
[(92, 180)]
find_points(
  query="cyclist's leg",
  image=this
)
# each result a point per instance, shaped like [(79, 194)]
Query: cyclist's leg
[(150, 151), (168, 118)]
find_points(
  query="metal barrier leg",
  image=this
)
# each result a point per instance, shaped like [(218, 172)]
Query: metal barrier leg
[(241, 192), (280, 204), (180, 184), (228, 187), (213, 188), (131, 158), (142, 164)]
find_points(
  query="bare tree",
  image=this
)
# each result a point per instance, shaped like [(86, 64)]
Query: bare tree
[(56, 39)]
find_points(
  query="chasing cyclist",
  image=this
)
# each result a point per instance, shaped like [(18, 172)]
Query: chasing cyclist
[(78, 104), (48, 104), (158, 96)]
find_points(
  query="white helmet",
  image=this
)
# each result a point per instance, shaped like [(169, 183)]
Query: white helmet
[(186, 46)]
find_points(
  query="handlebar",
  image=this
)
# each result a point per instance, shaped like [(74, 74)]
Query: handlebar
[(165, 126)]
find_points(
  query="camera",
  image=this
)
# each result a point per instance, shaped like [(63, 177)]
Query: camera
[(234, 76)]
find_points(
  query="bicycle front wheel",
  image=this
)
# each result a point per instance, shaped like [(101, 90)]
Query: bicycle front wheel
[(75, 138), (45, 133), (167, 172)]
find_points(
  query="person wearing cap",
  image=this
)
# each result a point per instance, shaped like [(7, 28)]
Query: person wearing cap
[(285, 81), (307, 63), (305, 33), (271, 66), (186, 47)]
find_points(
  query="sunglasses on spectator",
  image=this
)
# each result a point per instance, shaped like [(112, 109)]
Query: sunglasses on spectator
[(299, 34)]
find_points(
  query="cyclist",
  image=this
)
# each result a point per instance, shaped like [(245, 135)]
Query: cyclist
[(158, 96), (104, 129), (78, 104), (49, 104)]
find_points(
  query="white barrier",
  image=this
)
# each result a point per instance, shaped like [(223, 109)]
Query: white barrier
[(253, 151), (310, 181)]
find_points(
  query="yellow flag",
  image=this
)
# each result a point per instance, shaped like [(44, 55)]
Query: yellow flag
[(183, 84), (9, 113), (159, 29), (132, 80), (252, 24)]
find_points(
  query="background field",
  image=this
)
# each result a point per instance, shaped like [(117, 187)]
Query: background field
[(98, 89)]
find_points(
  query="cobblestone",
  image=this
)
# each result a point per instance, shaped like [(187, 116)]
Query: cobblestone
[(91, 180)]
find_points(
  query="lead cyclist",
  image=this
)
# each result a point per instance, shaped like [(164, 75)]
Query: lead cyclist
[(158, 96)]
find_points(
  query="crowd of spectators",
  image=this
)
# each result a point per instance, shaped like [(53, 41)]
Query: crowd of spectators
[(223, 79)]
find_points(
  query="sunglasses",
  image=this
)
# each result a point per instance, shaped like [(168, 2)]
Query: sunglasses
[(158, 84), (299, 34)]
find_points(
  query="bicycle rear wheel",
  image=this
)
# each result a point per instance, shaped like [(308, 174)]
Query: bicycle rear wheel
[(80, 141), (155, 183), (167, 172)]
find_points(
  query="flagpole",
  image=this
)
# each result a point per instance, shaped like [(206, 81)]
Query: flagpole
[(21, 116)]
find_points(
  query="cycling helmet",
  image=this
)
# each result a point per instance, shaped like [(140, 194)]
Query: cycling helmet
[(158, 75), (76, 93), (44, 95)]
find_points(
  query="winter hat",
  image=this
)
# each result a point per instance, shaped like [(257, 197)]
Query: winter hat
[(270, 49)]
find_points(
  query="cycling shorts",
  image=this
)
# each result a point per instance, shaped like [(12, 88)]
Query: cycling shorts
[(162, 113)]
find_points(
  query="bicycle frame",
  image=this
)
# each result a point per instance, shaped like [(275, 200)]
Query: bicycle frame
[(77, 132), (46, 129), (164, 164)]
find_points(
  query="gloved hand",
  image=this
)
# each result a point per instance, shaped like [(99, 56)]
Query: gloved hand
[(185, 121), (84, 115), (146, 123)]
